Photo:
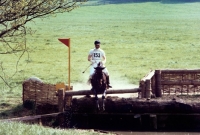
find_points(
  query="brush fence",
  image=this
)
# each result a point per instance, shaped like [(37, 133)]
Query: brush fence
[(40, 93), (168, 82)]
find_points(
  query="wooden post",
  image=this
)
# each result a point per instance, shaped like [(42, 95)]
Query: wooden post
[(67, 105), (153, 121), (142, 87), (158, 84), (146, 84), (68, 98), (148, 88), (61, 96), (40, 121), (153, 85), (140, 93), (137, 117)]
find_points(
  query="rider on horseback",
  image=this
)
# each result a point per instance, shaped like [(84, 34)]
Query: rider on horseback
[(95, 56)]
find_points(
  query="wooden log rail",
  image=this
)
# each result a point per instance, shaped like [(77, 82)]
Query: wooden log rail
[(113, 91), (180, 82), (36, 118), (180, 71)]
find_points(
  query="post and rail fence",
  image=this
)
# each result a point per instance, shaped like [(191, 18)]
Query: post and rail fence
[(157, 83)]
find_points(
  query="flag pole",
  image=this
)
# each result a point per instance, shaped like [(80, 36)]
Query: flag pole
[(69, 57), (66, 41)]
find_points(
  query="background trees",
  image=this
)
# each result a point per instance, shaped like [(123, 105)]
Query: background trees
[(14, 14)]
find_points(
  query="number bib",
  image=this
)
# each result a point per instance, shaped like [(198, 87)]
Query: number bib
[(97, 54)]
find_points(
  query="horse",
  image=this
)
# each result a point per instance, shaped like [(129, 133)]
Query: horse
[(99, 85)]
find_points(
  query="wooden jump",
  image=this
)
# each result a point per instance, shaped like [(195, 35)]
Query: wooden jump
[(65, 97), (113, 91), (180, 82), (180, 71)]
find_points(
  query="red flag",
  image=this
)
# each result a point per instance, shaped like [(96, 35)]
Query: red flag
[(65, 41)]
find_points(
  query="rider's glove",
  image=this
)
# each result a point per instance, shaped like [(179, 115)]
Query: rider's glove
[(92, 61), (104, 62)]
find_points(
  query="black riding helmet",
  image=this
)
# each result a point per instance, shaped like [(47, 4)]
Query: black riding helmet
[(97, 42)]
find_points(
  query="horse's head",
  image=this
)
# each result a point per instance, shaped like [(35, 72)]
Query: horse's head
[(100, 67)]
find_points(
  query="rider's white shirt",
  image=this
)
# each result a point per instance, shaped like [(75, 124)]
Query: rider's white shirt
[(97, 55)]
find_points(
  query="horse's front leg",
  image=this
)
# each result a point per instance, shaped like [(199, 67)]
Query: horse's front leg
[(97, 100), (103, 100)]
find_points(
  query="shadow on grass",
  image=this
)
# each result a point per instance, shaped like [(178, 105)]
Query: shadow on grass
[(17, 111), (28, 109)]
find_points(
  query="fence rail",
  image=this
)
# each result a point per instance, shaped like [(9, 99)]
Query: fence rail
[(32, 119), (168, 82)]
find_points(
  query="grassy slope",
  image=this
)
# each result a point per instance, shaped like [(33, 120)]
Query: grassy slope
[(136, 38), (9, 128)]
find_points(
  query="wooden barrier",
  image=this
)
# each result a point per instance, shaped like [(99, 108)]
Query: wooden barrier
[(61, 97), (64, 104), (155, 83), (35, 119), (180, 71), (38, 92), (113, 91), (158, 91), (162, 82), (147, 85), (185, 81)]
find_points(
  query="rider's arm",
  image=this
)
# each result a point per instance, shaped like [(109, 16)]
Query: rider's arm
[(89, 57), (104, 59)]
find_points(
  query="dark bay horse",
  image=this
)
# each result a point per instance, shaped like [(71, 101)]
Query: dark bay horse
[(99, 85)]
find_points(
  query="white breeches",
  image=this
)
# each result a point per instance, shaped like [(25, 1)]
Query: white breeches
[(92, 70)]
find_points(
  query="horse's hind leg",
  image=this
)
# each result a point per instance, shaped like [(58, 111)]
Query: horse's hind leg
[(103, 100)]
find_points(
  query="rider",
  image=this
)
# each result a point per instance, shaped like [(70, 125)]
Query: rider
[(95, 56)]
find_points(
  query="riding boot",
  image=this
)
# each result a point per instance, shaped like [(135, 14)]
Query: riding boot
[(89, 81), (108, 82)]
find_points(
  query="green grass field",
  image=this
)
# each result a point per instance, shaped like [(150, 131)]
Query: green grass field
[(10, 128), (136, 37)]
